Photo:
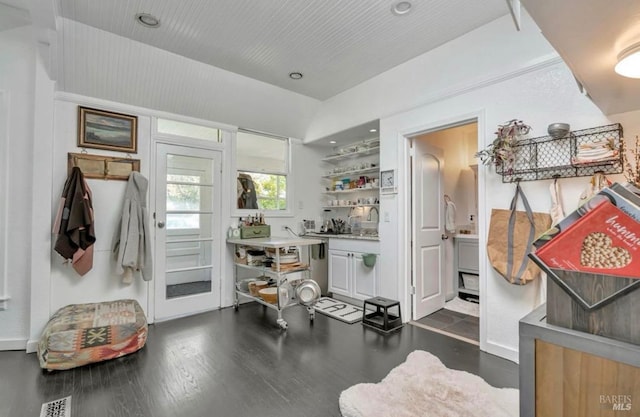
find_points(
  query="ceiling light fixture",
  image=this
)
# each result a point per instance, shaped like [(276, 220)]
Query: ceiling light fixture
[(147, 20), (629, 62), (373, 130), (295, 75), (333, 142), (401, 8)]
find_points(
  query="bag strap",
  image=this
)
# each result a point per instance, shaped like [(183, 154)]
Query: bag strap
[(510, 232)]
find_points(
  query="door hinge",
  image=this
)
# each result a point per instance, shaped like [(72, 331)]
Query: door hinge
[(413, 290), (412, 151)]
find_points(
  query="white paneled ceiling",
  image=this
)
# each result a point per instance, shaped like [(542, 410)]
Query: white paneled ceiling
[(336, 44)]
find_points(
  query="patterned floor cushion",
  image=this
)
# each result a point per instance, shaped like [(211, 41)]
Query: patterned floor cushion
[(79, 334)]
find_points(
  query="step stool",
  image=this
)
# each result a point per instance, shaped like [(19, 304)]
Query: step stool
[(384, 318)]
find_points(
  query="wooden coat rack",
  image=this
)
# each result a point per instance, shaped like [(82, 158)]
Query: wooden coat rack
[(102, 167)]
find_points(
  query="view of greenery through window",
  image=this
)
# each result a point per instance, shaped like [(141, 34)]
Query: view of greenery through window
[(183, 197), (271, 190)]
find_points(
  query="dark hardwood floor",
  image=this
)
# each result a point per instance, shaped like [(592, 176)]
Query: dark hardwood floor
[(236, 364), (454, 322)]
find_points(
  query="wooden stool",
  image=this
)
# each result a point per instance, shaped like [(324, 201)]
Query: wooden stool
[(382, 319)]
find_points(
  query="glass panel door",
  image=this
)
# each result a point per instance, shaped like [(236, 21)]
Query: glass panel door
[(187, 230)]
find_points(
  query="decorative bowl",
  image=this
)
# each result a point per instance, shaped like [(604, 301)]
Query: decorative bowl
[(308, 292), (270, 294), (558, 130), (256, 286)]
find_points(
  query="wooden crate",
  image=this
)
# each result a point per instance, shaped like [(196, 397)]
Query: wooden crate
[(618, 319), (249, 232)]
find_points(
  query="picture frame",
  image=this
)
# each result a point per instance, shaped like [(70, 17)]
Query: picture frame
[(100, 129), (388, 182)]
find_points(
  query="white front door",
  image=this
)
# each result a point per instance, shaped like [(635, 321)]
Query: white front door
[(428, 230), (187, 220)]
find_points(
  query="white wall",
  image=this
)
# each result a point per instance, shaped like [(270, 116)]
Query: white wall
[(17, 83), (101, 283)]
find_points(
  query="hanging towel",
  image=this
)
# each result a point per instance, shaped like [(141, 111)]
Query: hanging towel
[(557, 213), (131, 240), (450, 216), (318, 251), (74, 223)]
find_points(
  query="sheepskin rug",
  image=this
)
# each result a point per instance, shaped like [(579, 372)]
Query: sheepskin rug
[(423, 387)]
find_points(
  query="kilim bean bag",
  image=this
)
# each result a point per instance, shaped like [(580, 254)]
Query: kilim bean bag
[(79, 334)]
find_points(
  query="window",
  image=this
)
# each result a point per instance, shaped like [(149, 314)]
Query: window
[(262, 163), (190, 130)]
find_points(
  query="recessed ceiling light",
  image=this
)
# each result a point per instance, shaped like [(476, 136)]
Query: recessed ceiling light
[(147, 20), (373, 130), (401, 8), (629, 62), (295, 75), (333, 142)]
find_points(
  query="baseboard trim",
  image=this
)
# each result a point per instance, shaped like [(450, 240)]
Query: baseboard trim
[(13, 344), (32, 346), (503, 351)]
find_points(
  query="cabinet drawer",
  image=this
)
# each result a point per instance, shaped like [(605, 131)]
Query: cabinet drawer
[(468, 256), (353, 245)]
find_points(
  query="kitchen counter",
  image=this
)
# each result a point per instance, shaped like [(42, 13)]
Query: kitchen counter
[(343, 236), (461, 236)]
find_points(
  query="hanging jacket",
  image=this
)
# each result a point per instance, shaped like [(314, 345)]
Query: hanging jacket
[(131, 240), (74, 223)]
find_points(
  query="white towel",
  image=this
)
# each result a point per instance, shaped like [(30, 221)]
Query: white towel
[(557, 213), (450, 217)]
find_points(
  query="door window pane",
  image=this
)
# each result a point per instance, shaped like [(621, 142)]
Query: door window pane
[(188, 254), (181, 226)]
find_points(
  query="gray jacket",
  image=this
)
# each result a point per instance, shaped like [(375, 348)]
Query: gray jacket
[(131, 241)]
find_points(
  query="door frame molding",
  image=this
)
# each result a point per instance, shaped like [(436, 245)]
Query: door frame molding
[(405, 226), (222, 147)]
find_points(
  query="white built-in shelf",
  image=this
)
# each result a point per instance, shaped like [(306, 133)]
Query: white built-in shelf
[(352, 205), (350, 155), (352, 190), (354, 172)]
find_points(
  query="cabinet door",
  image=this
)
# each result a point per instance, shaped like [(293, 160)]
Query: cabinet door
[(339, 272), (364, 278), (468, 256)]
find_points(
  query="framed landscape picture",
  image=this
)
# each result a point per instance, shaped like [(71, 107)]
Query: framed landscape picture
[(101, 129)]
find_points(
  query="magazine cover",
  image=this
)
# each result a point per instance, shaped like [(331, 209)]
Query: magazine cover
[(604, 241)]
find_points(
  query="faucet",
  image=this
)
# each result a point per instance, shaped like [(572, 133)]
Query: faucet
[(369, 215)]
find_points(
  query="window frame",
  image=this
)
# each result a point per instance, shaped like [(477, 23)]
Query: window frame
[(288, 174)]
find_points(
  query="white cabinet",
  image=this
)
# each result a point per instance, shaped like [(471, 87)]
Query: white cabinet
[(467, 264), (348, 274)]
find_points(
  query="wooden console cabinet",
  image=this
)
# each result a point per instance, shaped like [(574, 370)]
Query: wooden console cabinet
[(569, 373)]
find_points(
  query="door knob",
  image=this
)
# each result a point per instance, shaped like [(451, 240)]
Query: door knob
[(444, 237), (160, 225)]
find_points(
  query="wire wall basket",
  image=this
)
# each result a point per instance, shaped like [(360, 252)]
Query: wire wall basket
[(547, 157)]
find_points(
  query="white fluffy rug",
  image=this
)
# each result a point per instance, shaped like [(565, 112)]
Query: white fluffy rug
[(423, 387), (462, 306)]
